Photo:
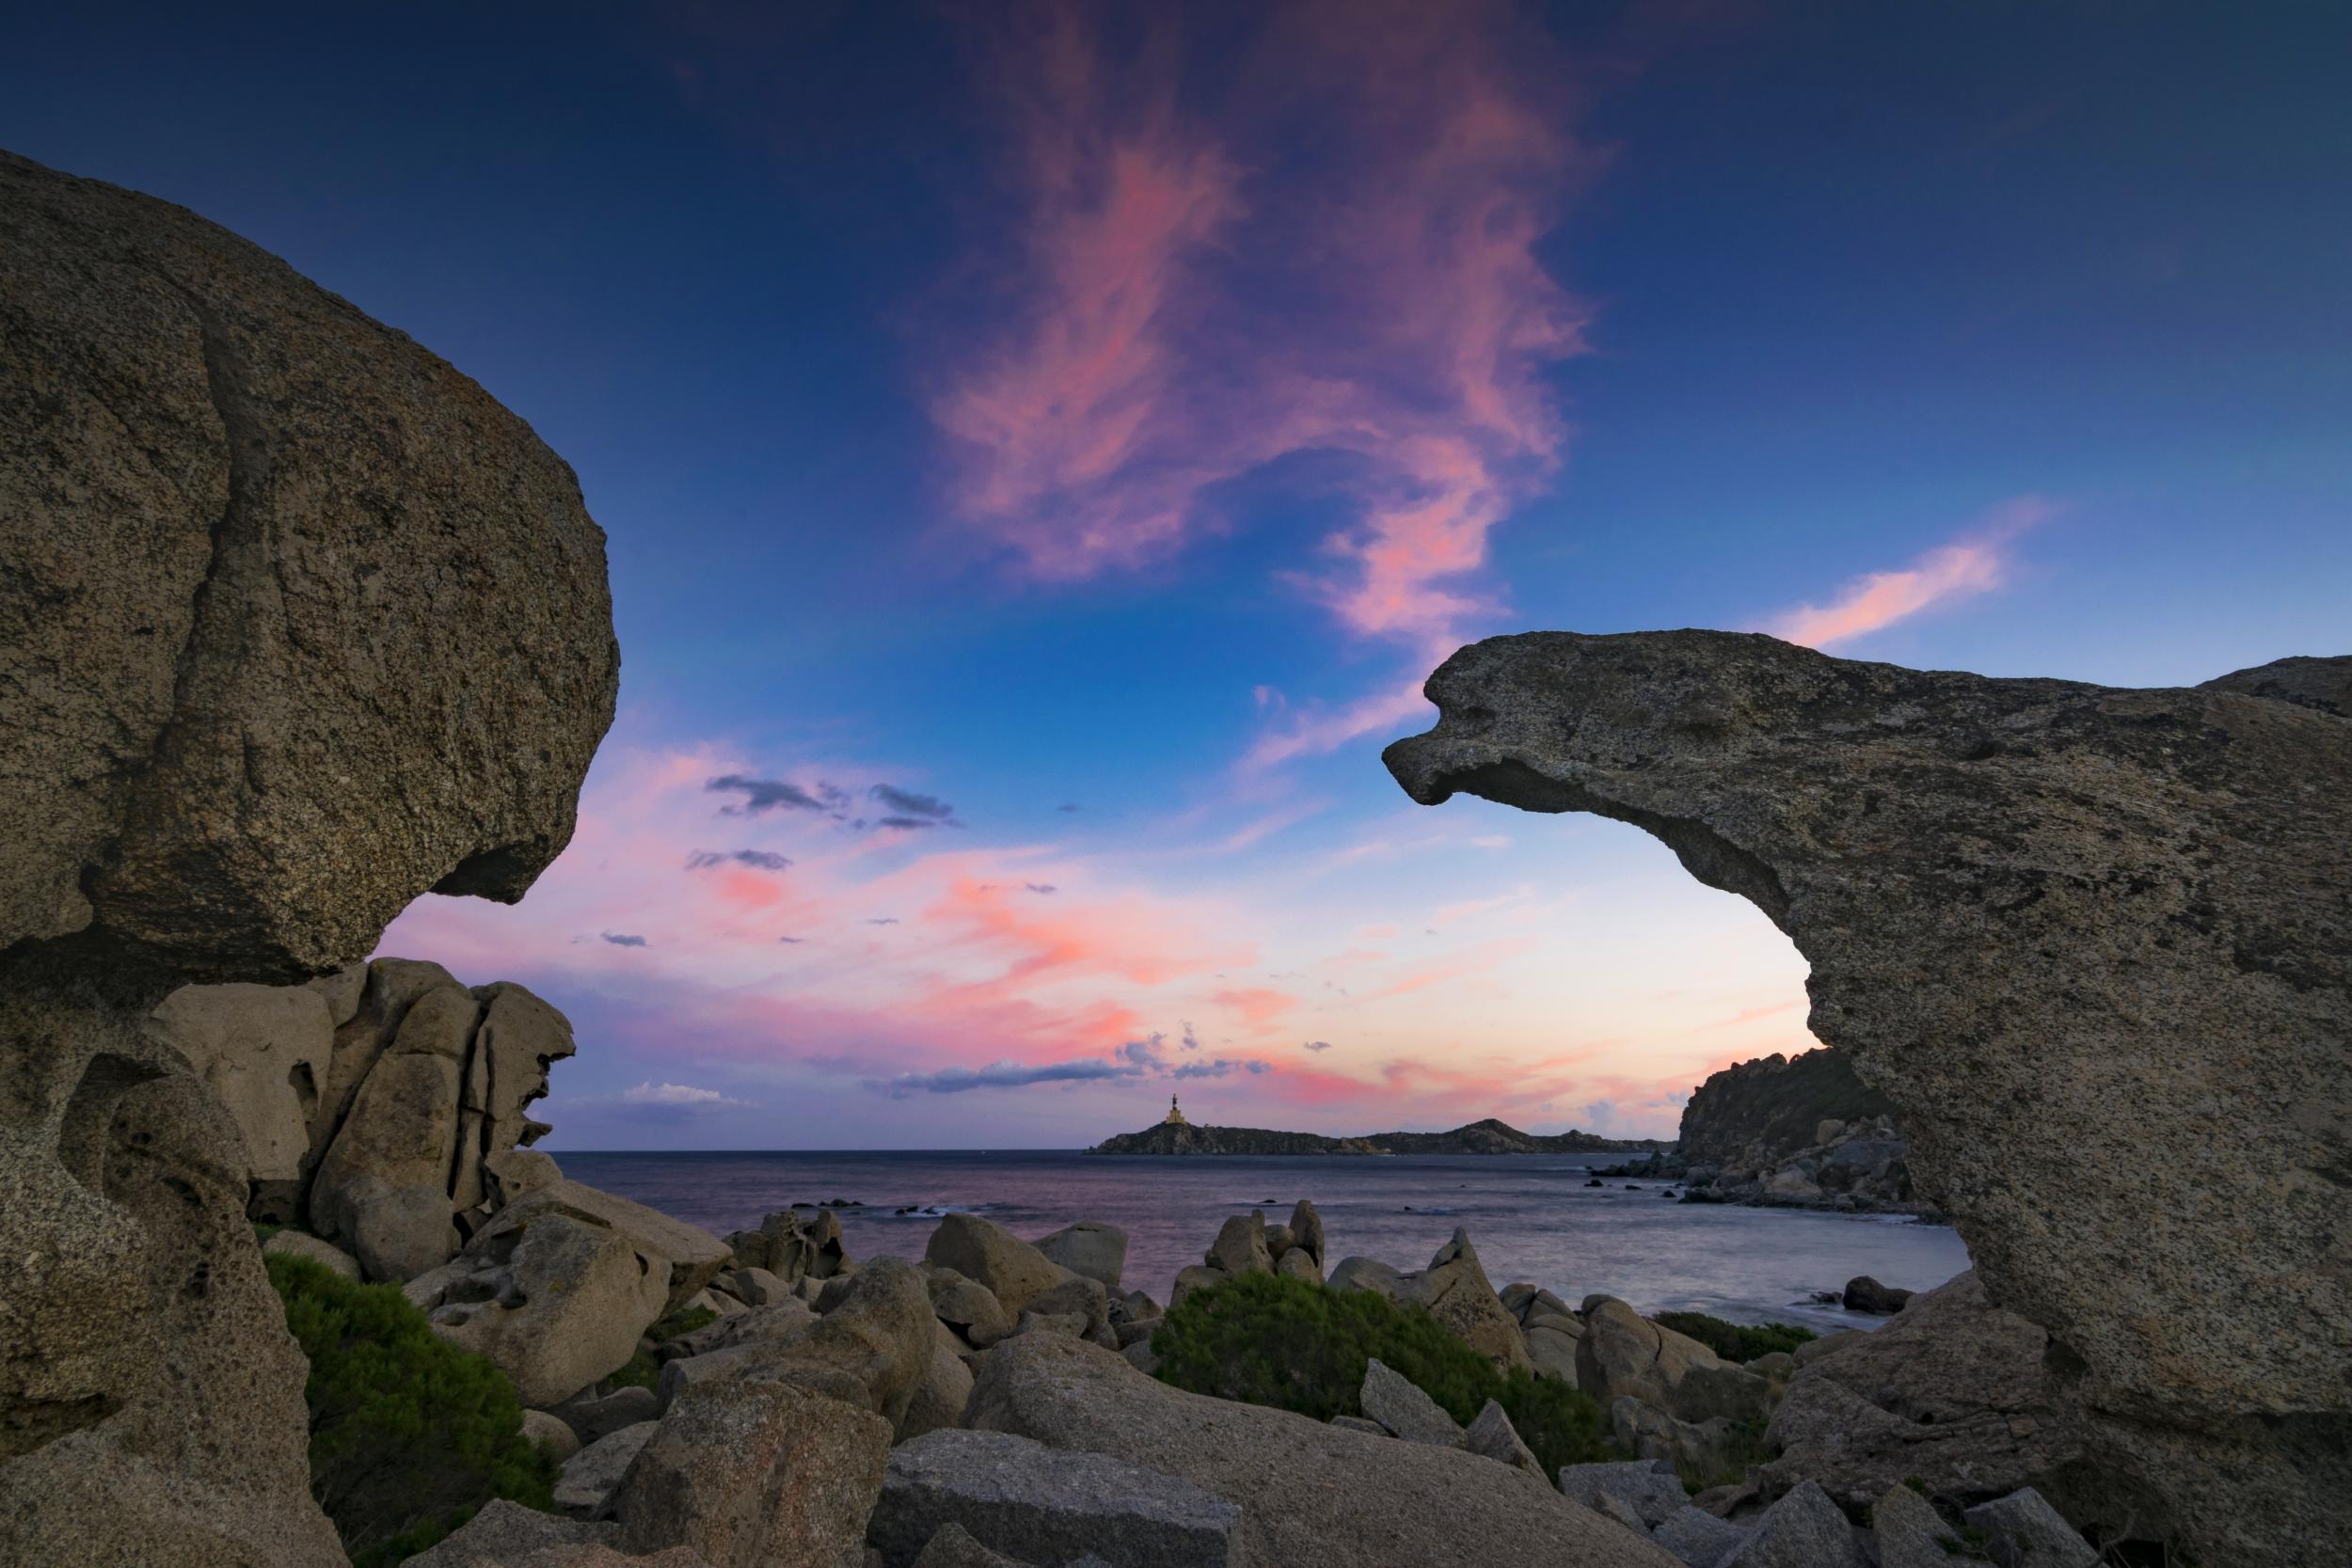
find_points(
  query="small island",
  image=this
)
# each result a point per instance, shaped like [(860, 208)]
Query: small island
[(1174, 1135)]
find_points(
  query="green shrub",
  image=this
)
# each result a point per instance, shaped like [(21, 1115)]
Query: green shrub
[(409, 1434), (1295, 1345), (1735, 1342)]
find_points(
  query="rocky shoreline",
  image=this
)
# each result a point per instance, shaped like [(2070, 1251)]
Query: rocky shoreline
[(955, 1403), (301, 624)]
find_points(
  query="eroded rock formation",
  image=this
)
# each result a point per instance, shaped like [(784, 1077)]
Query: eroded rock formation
[(2096, 945), (297, 623)]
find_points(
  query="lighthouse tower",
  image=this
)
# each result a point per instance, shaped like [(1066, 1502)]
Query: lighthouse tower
[(1174, 1117)]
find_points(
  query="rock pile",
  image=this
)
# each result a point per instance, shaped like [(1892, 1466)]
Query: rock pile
[(1454, 1290), (298, 623), (383, 1106), (1247, 1245), (2089, 941)]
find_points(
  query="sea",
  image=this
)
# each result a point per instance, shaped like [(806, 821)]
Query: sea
[(1532, 1217)]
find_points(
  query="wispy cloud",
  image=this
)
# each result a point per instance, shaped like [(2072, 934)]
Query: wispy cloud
[(758, 860), (1001, 1075), (1318, 1045), (1222, 1068), (618, 940), (1976, 564), (1191, 309), (684, 1095), (764, 795)]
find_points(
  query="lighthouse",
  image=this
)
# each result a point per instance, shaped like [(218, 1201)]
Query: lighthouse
[(1175, 1117)]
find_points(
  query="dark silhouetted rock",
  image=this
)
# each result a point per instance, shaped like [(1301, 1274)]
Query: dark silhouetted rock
[(1865, 1294)]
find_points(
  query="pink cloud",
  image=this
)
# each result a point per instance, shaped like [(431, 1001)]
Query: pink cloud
[(1192, 308), (1455, 966), (1976, 564), (1259, 1006)]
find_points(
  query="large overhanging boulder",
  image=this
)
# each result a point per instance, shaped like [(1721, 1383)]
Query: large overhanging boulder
[(297, 624), (2096, 945)]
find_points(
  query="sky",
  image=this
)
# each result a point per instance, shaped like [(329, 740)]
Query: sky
[(1043, 447)]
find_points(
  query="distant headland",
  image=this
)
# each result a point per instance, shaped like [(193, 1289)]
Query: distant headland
[(1176, 1135)]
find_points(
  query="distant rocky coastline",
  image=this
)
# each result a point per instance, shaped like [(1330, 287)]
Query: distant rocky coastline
[(1790, 1132), (1478, 1137)]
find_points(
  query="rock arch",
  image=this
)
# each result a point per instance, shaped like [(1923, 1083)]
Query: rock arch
[(2095, 942)]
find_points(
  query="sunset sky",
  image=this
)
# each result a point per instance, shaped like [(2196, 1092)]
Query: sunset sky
[(1045, 449)]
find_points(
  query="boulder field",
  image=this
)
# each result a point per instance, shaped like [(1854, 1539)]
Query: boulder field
[(2096, 946)]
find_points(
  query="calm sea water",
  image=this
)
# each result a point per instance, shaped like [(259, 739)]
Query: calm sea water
[(1531, 1216)]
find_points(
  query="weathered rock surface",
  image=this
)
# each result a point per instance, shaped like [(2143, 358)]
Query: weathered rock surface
[(297, 623), (1491, 1436), (1036, 1504), (1953, 1390), (1090, 1248), (1907, 1532), (2024, 1531), (1454, 1290), (1240, 1245), (1306, 1229), (555, 1303), (684, 1258), (593, 1417), (263, 1049), (952, 1546), (551, 1434), (793, 1244), (1013, 1271), (1803, 1529), (384, 1106), (1702, 1540), (1403, 1410), (756, 1474), (1311, 1495), (2028, 903), (506, 1533), (966, 1306), (944, 1390), (590, 1475), (1623, 1353), (1652, 1490), (1457, 1293), (262, 544)]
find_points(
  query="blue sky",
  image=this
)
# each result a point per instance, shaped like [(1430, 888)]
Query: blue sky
[(1024, 409)]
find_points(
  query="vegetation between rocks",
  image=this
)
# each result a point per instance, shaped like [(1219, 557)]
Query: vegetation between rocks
[(409, 1434), (1297, 1345), (1741, 1342)]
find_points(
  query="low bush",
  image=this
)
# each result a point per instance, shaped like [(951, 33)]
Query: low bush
[(409, 1434), (1297, 1345), (1735, 1342)]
